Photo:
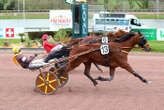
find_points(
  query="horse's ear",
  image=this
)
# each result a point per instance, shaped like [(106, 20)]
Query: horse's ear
[(109, 34), (139, 33), (121, 30)]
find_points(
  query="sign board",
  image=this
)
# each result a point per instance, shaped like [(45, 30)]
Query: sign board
[(160, 34), (104, 49), (80, 20), (104, 40), (71, 1), (150, 34), (60, 19), (10, 32)]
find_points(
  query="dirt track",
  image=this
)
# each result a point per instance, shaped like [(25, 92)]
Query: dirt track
[(125, 92)]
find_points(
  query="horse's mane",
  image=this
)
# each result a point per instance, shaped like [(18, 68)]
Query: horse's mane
[(124, 38)]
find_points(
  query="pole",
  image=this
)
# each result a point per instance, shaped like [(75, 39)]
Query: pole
[(18, 8), (123, 5), (24, 16), (157, 8), (104, 19)]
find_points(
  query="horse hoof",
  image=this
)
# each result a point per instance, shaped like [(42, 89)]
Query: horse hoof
[(95, 83), (147, 81)]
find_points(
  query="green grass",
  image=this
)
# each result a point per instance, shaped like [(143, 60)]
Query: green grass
[(156, 46), (10, 41), (27, 16), (150, 16), (46, 16)]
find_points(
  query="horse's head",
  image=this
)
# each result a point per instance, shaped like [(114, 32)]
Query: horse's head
[(142, 42)]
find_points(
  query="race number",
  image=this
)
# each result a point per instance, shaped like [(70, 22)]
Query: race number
[(104, 40), (104, 49)]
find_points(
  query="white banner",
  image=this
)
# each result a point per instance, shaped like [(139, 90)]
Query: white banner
[(10, 32), (60, 19), (71, 1), (160, 34)]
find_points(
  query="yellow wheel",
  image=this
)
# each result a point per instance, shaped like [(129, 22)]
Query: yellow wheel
[(63, 79), (47, 83)]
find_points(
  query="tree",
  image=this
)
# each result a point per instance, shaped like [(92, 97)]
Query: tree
[(9, 4), (105, 3), (21, 36), (143, 4), (2, 4), (131, 4)]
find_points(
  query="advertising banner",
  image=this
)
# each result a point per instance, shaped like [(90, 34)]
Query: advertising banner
[(60, 19), (160, 34), (150, 34), (1, 32), (10, 32), (71, 1), (84, 19)]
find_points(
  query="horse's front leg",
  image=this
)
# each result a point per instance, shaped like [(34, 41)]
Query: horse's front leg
[(129, 69), (87, 73), (140, 77), (111, 76)]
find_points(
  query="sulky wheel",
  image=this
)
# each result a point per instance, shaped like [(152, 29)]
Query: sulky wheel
[(47, 83), (63, 79)]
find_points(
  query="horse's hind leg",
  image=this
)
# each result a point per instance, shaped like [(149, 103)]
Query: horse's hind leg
[(98, 67), (112, 70), (87, 73)]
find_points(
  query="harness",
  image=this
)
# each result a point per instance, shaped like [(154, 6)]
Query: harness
[(105, 50), (123, 51)]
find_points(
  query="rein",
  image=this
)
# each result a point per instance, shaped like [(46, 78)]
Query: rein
[(70, 57), (124, 51)]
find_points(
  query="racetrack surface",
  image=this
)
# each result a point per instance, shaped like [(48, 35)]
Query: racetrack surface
[(125, 92)]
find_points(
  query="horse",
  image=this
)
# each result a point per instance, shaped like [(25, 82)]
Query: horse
[(116, 58), (94, 39)]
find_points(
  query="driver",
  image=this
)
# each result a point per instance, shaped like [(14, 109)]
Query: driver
[(54, 50), (48, 46), (24, 61)]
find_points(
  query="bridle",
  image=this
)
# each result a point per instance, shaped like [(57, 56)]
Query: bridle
[(142, 43)]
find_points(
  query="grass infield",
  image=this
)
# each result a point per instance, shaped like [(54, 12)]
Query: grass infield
[(156, 46)]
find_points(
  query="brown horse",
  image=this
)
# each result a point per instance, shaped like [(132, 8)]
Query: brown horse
[(116, 58), (95, 39)]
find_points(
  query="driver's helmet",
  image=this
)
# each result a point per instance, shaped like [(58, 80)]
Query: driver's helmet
[(44, 37), (16, 50)]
